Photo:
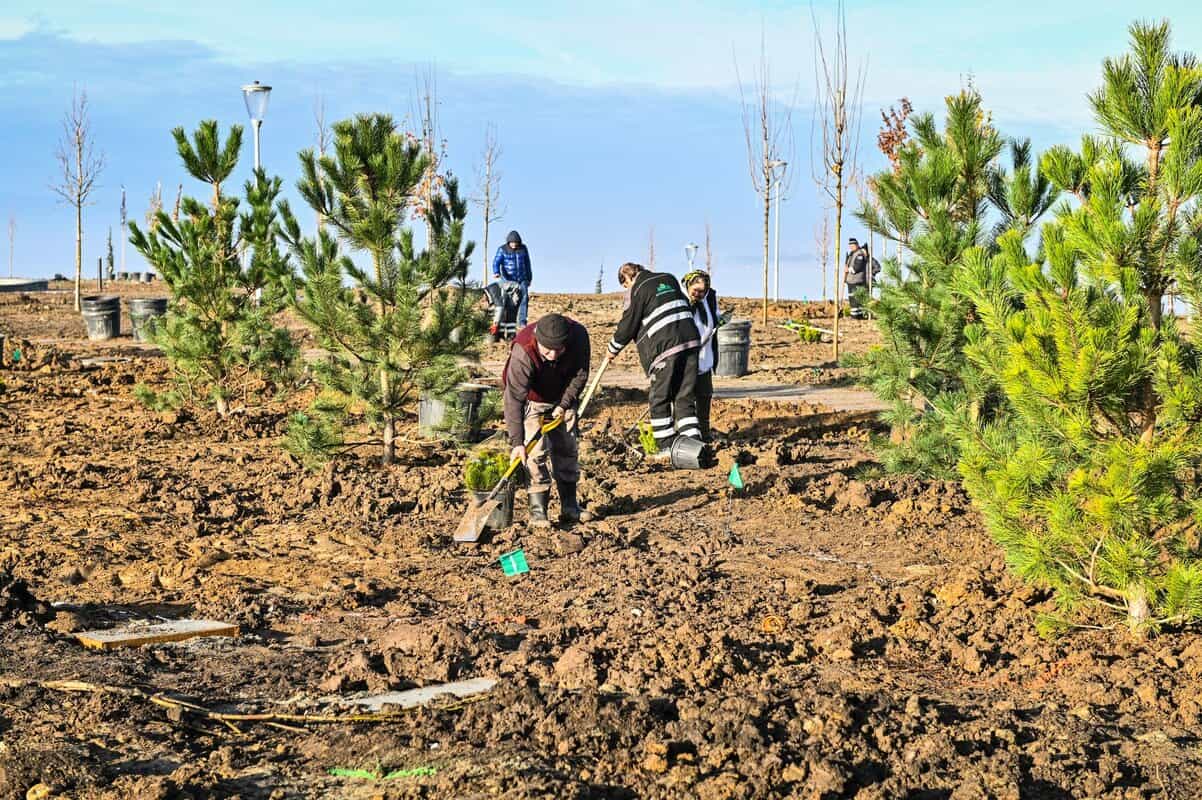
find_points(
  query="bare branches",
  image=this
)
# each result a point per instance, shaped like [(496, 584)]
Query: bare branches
[(155, 206), (79, 162), (325, 138), (837, 100), (822, 242), (80, 165), (768, 131), (425, 112), (488, 187), (767, 124), (709, 255)]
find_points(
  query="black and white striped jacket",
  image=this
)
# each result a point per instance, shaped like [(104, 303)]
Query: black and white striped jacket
[(658, 317)]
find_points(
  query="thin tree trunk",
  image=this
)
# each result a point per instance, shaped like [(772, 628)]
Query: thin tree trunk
[(78, 256), (838, 272), (767, 212), (389, 434), (1138, 609), (487, 212), (223, 406)]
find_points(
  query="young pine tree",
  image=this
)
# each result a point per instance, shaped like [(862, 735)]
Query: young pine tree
[(226, 275), (1093, 483), (401, 322), (933, 204)]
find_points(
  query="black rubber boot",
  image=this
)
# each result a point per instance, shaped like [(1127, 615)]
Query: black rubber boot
[(538, 510), (569, 508)]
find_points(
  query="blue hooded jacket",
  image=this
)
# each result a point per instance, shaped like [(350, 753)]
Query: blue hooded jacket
[(513, 265)]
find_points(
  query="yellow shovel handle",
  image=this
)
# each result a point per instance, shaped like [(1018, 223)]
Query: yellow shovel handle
[(546, 428)]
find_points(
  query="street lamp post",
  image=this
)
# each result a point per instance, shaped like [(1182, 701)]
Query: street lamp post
[(256, 96), (690, 253), (776, 257)]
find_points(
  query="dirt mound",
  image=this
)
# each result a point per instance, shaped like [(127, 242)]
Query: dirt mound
[(18, 605)]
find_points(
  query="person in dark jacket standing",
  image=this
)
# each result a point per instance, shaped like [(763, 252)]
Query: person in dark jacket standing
[(546, 372), (512, 263), (658, 318), (704, 302), (855, 275)]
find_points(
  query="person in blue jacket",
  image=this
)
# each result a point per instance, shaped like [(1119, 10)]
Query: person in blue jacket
[(512, 263)]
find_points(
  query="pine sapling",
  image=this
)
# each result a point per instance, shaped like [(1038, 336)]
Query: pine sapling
[(226, 274), (402, 321)]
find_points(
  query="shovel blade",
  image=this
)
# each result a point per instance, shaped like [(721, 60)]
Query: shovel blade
[(473, 523)]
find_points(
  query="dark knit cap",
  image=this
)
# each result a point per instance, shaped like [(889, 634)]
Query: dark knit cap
[(852, 241), (552, 331), (513, 238)]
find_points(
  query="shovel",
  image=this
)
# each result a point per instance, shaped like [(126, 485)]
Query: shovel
[(591, 390), (476, 519)]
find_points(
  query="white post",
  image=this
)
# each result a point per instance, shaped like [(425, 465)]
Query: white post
[(776, 256), (258, 124)]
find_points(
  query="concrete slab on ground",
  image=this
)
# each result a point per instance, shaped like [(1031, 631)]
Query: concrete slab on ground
[(417, 697), (139, 635)]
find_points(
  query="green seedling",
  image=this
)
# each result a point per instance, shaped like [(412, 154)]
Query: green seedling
[(647, 438), (484, 470)]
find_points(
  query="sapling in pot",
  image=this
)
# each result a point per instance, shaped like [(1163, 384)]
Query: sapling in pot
[(484, 470)]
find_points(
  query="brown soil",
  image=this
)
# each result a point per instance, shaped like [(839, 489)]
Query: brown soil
[(826, 633)]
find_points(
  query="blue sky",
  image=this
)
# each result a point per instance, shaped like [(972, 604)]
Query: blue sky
[(614, 117)]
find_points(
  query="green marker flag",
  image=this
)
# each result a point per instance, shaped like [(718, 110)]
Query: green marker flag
[(736, 480)]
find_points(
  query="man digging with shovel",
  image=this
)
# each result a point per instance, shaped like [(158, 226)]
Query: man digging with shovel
[(547, 370)]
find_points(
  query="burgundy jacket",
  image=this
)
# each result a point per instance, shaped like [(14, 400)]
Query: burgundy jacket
[(528, 377)]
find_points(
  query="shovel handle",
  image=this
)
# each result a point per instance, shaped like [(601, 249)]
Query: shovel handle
[(546, 427), (592, 388)]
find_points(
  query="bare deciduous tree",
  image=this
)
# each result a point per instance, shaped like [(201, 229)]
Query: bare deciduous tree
[(822, 241), (768, 129), (124, 229), (179, 198), (709, 254), (80, 165), (837, 114), (325, 138), (155, 206), (425, 112), (488, 186)]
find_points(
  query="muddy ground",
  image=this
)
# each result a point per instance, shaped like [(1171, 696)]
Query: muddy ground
[(826, 633)]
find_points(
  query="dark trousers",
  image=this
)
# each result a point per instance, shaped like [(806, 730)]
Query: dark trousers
[(673, 398), (705, 398)]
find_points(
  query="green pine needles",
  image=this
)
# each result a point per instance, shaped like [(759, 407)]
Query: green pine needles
[(226, 274), (399, 319), (933, 207), (484, 470), (1092, 480)]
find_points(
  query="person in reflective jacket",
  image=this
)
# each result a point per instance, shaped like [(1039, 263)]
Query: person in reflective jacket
[(659, 320)]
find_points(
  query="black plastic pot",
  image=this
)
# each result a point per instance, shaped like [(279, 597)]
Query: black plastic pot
[(102, 316), (502, 517), (687, 452), (734, 349), (142, 310), (432, 412)]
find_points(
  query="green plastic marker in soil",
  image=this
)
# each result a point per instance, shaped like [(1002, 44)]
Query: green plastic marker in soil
[(514, 562), (735, 479)]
